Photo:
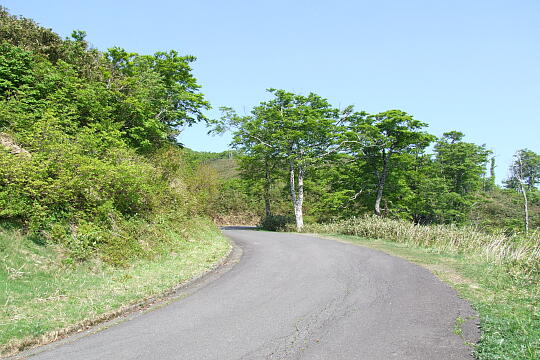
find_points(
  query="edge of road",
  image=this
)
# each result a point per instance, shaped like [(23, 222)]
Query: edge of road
[(128, 312), (469, 327)]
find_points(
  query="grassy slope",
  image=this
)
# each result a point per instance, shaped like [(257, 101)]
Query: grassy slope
[(509, 307), (226, 168), (40, 295)]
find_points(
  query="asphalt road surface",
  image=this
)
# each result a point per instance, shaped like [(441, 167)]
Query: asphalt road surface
[(293, 297)]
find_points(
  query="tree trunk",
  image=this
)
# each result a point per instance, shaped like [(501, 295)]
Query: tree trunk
[(524, 192), (297, 198), (298, 213), (267, 180), (380, 185), (526, 206)]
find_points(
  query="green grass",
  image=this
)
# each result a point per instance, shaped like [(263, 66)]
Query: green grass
[(40, 295), (507, 301)]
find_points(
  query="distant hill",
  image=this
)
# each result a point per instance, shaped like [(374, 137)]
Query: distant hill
[(224, 162)]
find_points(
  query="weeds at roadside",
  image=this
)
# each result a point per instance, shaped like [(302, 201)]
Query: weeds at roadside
[(44, 297)]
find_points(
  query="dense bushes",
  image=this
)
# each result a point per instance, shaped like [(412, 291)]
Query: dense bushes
[(87, 151), (277, 223), (91, 203)]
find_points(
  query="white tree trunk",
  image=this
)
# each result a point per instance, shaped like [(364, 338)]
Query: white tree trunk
[(380, 185), (526, 206), (521, 181), (297, 198)]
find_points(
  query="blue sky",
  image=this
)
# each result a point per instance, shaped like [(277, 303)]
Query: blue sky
[(472, 66)]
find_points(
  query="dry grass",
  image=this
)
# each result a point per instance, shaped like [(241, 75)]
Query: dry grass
[(520, 252)]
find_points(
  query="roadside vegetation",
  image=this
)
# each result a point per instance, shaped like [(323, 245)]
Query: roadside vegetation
[(43, 298), (517, 253), (99, 206), (304, 161)]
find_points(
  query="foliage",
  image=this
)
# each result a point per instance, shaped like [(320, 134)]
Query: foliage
[(448, 185), (158, 94), (528, 170), (460, 163), (383, 138), (344, 163), (524, 174), (502, 209), (277, 223), (289, 134), (29, 36), (88, 158)]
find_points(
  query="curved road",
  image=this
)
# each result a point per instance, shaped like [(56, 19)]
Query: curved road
[(293, 297)]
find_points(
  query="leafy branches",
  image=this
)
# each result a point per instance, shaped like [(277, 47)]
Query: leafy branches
[(88, 138)]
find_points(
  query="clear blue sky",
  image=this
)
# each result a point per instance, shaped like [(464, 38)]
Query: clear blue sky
[(472, 66)]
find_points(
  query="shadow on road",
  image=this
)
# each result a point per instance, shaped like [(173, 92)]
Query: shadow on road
[(238, 227)]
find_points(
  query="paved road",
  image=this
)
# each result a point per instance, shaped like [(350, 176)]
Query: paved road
[(294, 297)]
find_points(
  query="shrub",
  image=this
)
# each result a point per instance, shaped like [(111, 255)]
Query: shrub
[(277, 223), (96, 201)]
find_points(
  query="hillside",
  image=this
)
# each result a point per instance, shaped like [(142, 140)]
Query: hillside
[(97, 200)]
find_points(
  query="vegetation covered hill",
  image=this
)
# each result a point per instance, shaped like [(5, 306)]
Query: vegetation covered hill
[(95, 194), (88, 157)]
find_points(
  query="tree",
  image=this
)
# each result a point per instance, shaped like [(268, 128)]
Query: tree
[(258, 161), (159, 94), (251, 165), (15, 69), (383, 137), (524, 175), (297, 132), (461, 163), (530, 171), (28, 35), (460, 166), (489, 183)]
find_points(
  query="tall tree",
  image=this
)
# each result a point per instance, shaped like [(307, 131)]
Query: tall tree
[(460, 167), (461, 163), (383, 137), (530, 170), (524, 175), (299, 132), (159, 94)]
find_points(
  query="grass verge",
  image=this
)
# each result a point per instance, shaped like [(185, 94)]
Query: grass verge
[(508, 304), (43, 298)]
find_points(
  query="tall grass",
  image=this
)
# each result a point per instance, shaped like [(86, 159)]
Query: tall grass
[(520, 252)]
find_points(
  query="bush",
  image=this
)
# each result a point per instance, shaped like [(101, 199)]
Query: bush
[(87, 153), (277, 223), (95, 201)]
